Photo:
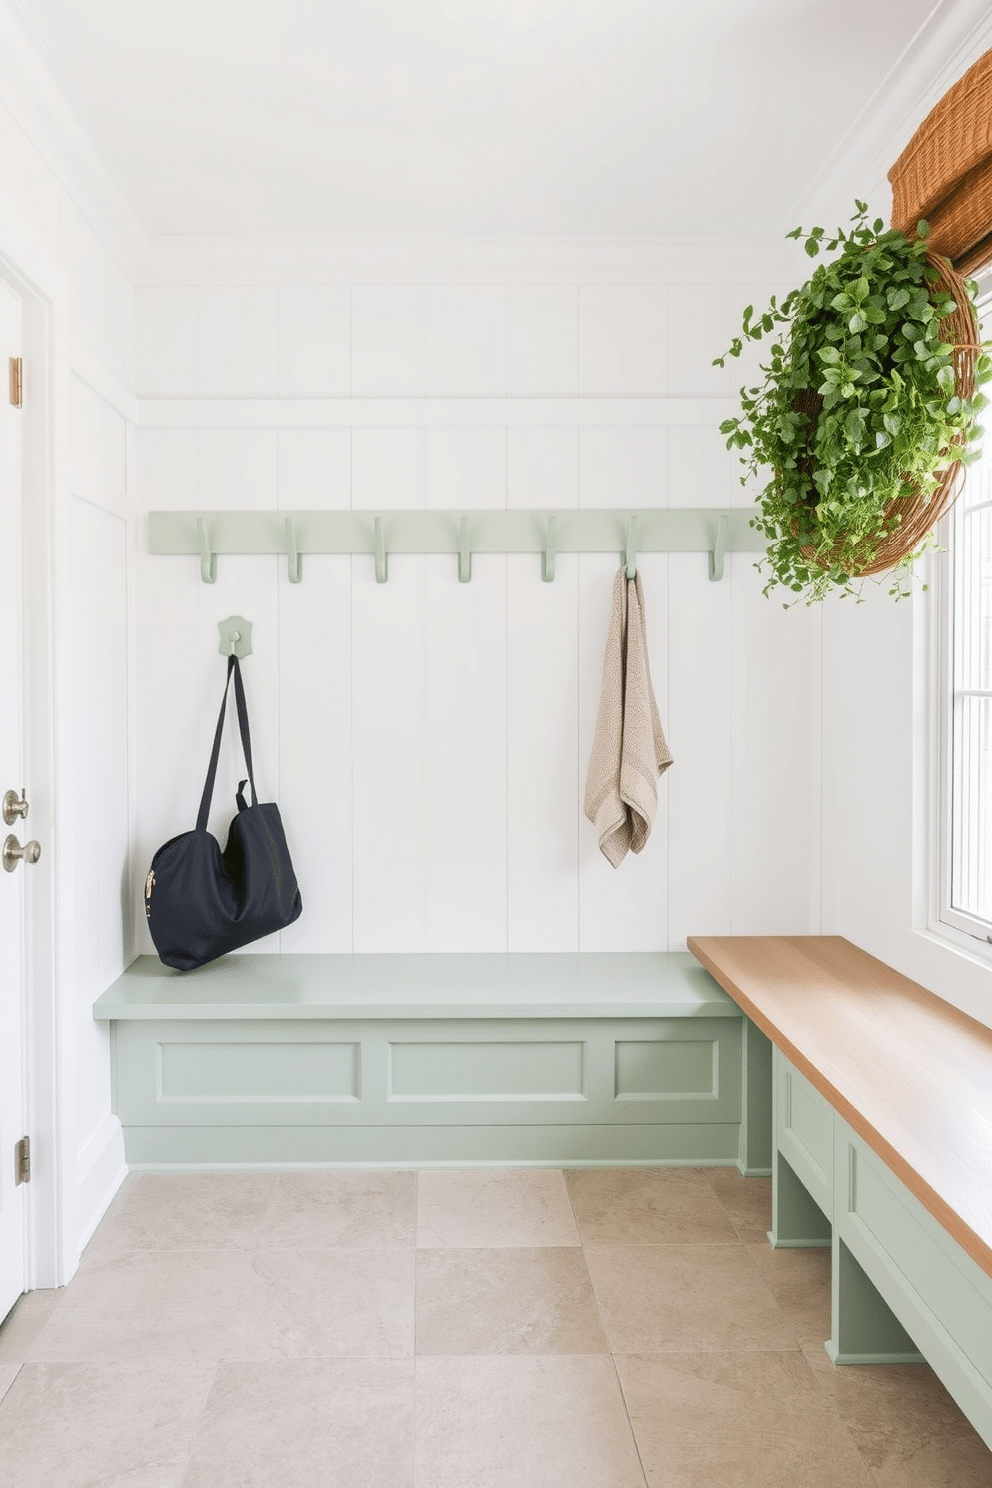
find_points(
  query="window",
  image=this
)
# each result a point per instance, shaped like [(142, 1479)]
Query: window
[(966, 696)]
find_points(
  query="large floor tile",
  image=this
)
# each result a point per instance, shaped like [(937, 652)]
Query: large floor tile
[(100, 1425), (211, 1280), (24, 1322), (799, 1280), (655, 1297), (308, 1210), (325, 1304), (748, 1201), (736, 1420), (494, 1206), (508, 1301), (149, 1332), (904, 1423), (516, 1422), (185, 1211), (315, 1423), (647, 1206)]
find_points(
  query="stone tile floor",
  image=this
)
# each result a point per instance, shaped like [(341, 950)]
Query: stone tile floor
[(456, 1328)]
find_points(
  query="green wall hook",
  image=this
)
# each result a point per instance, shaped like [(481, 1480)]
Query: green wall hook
[(235, 636), (208, 560), (719, 548), (379, 543), (630, 556), (550, 551), (294, 561), (464, 554)]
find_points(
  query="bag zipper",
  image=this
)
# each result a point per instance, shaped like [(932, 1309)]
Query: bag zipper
[(149, 885)]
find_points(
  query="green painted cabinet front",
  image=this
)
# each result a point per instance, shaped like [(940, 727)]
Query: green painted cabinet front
[(201, 1080)]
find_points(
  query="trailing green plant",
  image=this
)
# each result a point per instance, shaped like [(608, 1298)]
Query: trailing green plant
[(864, 336)]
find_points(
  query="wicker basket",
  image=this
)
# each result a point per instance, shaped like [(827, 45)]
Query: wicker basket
[(917, 514)]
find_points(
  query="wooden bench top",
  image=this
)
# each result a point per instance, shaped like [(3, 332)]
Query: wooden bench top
[(908, 1072), (550, 984)]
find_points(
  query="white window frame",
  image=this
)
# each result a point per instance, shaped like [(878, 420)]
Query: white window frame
[(962, 929)]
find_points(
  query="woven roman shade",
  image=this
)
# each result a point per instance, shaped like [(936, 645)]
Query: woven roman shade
[(945, 173)]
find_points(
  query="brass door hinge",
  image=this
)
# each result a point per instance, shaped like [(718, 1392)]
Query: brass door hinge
[(16, 373), (22, 1161)]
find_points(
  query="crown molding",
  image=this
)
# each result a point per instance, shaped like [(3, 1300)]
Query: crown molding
[(38, 98), (953, 36)]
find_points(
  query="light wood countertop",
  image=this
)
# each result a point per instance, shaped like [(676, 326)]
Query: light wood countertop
[(908, 1072)]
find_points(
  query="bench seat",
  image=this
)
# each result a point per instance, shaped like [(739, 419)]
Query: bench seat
[(882, 1127), (558, 1058)]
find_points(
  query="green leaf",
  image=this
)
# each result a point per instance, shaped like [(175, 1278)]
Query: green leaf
[(812, 247), (922, 228)]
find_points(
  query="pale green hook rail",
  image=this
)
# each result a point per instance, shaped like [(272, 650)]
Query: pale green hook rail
[(204, 535)]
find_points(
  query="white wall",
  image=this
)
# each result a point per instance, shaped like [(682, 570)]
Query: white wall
[(92, 536), (427, 740)]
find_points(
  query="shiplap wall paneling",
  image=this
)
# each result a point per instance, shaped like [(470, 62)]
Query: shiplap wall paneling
[(315, 687), (700, 662), (543, 776), (770, 759), (102, 901), (315, 748), (543, 656), (466, 755), (389, 742)]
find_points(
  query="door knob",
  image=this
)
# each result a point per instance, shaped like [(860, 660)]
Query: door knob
[(13, 852), (13, 808)]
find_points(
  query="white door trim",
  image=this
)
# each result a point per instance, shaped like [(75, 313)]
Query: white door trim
[(28, 267)]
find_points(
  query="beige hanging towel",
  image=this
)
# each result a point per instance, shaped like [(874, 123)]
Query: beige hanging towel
[(629, 751)]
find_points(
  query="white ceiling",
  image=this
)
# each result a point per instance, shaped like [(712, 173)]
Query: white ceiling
[(527, 119)]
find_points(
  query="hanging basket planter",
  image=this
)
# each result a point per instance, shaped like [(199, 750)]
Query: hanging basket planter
[(867, 415)]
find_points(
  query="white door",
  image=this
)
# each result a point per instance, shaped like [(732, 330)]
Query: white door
[(12, 885)]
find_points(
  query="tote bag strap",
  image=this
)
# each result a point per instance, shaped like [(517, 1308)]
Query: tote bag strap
[(233, 665)]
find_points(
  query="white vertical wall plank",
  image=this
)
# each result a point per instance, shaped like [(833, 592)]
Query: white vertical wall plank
[(623, 345), (543, 784), (388, 469), (542, 467), (701, 470), (699, 329), (466, 339), (314, 334), (99, 802), (237, 471), (623, 467), (100, 302), (315, 734), (466, 468), (542, 340), (388, 335), (699, 736), (389, 756), (314, 469), (466, 755), (236, 341), (165, 341), (770, 759)]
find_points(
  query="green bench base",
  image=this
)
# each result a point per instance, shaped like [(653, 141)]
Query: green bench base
[(903, 1291), (268, 1061)]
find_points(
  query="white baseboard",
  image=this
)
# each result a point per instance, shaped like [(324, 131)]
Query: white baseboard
[(100, 1171)]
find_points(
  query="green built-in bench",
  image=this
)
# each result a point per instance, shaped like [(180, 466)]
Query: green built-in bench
[(882, 1150), (262, 1060)]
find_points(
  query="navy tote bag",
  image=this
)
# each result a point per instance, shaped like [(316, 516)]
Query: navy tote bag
[(201, 902)]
